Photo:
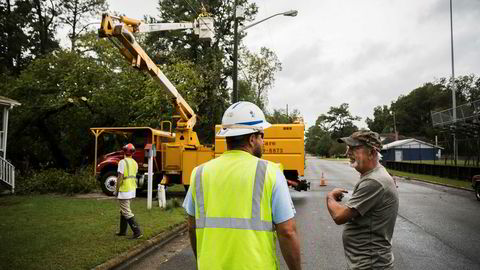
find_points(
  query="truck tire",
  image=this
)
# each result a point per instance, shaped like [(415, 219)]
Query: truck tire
[(108, 182), (477, 191)]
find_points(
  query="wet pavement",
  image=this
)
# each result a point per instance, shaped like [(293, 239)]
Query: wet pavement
[(437, 227)]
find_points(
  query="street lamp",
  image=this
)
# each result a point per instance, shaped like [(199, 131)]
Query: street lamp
[(290, 13)]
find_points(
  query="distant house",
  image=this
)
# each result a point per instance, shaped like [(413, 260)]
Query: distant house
[(391, 137), (410, 149)]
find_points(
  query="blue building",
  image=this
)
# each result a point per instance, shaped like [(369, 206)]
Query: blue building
[(410, 149)]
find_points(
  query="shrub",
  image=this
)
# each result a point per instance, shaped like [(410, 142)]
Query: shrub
[(56, 181)]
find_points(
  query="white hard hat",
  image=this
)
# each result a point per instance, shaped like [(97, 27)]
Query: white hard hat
[(242, 118)]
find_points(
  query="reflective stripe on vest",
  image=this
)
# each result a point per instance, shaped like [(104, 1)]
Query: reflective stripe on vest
[(254, 223)]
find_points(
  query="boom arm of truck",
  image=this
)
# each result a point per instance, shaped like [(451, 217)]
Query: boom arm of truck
[(131, 50)]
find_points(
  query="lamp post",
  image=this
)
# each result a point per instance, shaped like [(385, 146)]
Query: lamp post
[(290, 13)]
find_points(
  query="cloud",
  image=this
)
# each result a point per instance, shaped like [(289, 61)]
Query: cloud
[(461, 9), (365, 53)]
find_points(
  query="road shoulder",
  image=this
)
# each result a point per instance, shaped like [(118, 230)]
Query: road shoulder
[(143, 249)]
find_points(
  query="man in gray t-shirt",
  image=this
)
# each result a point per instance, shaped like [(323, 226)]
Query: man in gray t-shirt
[(369, 215)]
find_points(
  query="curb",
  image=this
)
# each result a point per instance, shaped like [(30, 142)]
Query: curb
[(433, 183), (142, 249)]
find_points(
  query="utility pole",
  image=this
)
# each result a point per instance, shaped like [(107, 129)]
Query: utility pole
[(454, 102), (235, 55)]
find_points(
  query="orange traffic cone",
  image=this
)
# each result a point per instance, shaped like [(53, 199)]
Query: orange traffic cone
[(323, 181)]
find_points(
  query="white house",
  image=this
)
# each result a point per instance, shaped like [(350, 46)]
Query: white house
[(7, 170)]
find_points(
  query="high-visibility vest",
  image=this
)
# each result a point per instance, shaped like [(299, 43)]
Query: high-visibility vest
[(233, 212), (129, 182)]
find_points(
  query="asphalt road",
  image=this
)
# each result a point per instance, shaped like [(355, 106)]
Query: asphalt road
[(437, 227)]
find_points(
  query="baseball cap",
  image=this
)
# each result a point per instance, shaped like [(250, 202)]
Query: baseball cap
[(363, 137)]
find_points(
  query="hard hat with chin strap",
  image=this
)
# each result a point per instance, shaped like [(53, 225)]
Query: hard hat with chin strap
[(242, 118)]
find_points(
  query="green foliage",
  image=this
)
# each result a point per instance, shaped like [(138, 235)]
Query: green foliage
[(245, 91), (62, 96), (311, 138), (279, 116), (336, 123), (14, 41), (211, 61), (318, 141), (258, 72), (337, 149), (324, 143), (382, 121), (413, 111), (65, 92), (57, 181)]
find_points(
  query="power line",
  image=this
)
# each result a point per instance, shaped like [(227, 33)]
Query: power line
[(191, 7)]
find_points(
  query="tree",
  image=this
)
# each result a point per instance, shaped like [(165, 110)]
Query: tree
[(323, 145), (28, 29), (43, 23), (337, 149), (413, 111), (64, 94), (468, 88), (14, 42), (279, 116), (245, 91), (211, 61), (338, 121), (318, 141), (312, 136), (382, 121), (259, 72), (76, 14)]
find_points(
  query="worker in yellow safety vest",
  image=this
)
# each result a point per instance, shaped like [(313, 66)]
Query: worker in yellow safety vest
[(238, 203), (125, 190)]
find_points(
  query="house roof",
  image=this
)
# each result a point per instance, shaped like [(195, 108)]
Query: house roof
[(8, 101), (399, 143)]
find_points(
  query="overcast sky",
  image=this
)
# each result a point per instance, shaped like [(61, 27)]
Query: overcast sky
[(365, 53)]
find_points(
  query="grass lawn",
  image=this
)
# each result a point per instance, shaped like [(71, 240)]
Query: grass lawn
[(176, 188), (433, 179), (60, 232), (460, 162)]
